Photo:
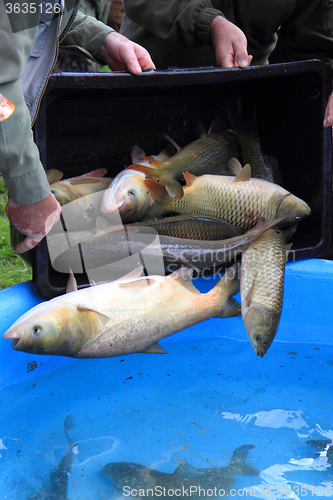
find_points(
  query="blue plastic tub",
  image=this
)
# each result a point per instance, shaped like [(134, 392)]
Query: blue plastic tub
[(209, 395)]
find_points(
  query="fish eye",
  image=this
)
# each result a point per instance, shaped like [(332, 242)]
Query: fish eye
[(36, 330), (131, 194), (258, 338)]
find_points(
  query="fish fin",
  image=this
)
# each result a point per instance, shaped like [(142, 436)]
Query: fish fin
[(132, 275), (103, 317), (175, 145), (99, 172), (239, 456), (150, 172), (244, 174), (274, 166), (154, 349), (156, 189), (153, 161), (234, 166), (174, 189), (199, 128), (138, 284), (137, 154), (54, 175), (216, 126), (185, 470), (82, 180), (249, 293), (189, 178), (185, 275), (71, 283)]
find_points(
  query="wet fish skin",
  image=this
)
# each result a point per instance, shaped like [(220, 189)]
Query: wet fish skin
[(122, 317), (209, 154), (263, 167), (239, 200), (127, 194), (189, 227), (102, 249), (262, 287), (71, 189), (140, 477)]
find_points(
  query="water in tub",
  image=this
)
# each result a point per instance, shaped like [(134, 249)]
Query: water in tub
[(183, 413)]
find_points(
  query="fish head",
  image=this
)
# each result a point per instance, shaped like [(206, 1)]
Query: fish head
[(47, 329), (261, 325), (128, 195), (128, 474), (293, 208)]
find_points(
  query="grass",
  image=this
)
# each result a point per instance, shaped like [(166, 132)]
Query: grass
[(13, 269)]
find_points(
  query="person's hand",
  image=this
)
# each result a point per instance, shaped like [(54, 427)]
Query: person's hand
[(328, 119), (34, 220), (230, 44), (121, 54)]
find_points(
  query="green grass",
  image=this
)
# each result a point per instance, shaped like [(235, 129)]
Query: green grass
[(13, 269)]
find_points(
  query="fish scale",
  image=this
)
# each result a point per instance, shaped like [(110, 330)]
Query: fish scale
[(262, 285), (239, 203)]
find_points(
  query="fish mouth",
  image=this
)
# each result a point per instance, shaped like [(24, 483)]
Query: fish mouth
[(111, 210), (258, 351), (14, 343)]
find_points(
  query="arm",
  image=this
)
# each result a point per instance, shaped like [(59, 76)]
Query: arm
[(19, 157), (95, 40)]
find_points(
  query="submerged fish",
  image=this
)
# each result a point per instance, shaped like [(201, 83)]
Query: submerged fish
[(122, 317), (56, 488), (99, 248), (71, 189), (208, 155), (321, 445), (239, 200), (262, 166), (262, 286), (127, 476)]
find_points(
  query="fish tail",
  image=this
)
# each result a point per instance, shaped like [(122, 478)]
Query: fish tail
[(229, 286)]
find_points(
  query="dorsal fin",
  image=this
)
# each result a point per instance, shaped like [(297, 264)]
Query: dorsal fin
[(234, 166), (99, 172), (189, 178), (175, 145), (71, 283), (137, 153), (244, 174)]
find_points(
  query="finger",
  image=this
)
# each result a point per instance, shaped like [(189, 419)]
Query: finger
[(27, 244), (225, 59), (241, 55)]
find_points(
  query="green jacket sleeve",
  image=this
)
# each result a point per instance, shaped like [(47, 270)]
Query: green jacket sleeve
[(19, 157), (177, 21), (85, 36)]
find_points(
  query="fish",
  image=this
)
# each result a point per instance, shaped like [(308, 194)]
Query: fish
[(210, 154), (71, 189), (148, 482), (262, 286), (57, 487), (239, 200), (127, 193), (126, 316), (100, 248), (263, 166)]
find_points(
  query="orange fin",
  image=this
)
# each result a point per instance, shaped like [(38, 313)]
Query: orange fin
[(99, 172), (189, 178), (150, 172), (153, 161), (244, 174), (156, 189), (53, 175)]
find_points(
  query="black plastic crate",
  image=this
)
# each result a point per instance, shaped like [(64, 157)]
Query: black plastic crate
[(89, 121)]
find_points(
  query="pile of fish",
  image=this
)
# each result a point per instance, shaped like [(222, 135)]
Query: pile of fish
[(199, 208)]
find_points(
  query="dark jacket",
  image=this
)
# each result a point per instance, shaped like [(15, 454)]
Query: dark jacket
[(177, 32)]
